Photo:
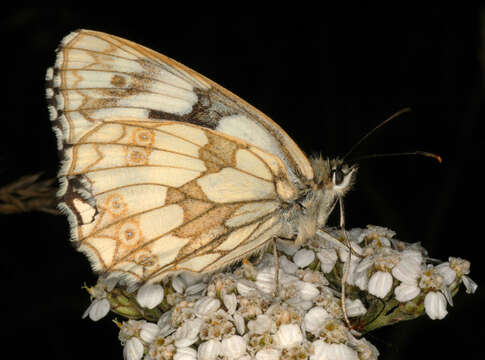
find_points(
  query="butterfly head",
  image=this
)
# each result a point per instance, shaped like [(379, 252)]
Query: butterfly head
[(333, 176), (333, 179)]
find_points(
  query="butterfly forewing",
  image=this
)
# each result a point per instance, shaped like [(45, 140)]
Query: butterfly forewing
[(100, 76), (163, 170)]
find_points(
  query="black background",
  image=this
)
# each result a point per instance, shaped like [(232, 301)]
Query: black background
[(327, 78)]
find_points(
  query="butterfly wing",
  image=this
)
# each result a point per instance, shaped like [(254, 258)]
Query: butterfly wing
[(151, 198), (163, 170), (100, 76)]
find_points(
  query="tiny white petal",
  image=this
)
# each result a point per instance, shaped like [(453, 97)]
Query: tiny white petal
[(445, 290), (324, 351), (230, 302), (384, 241), (299, 303), (185, 341), (150, 295), (185, 353), (195, 289), (188, 333), (287, 247), (178, 284), (133, 349), (361, 280), (86, 312), (413, 255), (165, 325), (406, 292), (343, 352), (206, 306), (314, 319), (111, 283), (263, 323), (165, 319), (265, 280), (448, 274), (356, 234), (320, 350), (149, 331), (287, 265), (328, 258), (288, 335), (435, 305), (343, 252), (268, 260), (353, 275), (365, 264), (287, 279), (191, 278), (209, 350), (303, 257), (470, 285), (365, 349), (408, 269), (380, 283), (233, 347), (268, 354), (307, 291), (98, 309), (131, 287), (245, 287), (355, 308), (239, 322)]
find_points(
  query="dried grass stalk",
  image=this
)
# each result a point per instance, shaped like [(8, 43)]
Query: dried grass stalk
[(28, 193)]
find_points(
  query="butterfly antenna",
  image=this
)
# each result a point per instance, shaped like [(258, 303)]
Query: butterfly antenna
[(362, 139), (417, 153)]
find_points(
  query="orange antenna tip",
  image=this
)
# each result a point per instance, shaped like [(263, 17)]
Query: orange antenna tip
[(434, 156)]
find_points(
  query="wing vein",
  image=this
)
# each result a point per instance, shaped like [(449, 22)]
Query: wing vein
[(135, 53), (138, 76), (125, 90), (138, 146), (131, 166), (200, 250)]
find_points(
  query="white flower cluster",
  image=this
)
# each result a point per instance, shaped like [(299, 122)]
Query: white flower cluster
[(235, 315), (383, 260)]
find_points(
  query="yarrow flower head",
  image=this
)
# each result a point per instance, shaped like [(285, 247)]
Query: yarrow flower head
[(241, 314)]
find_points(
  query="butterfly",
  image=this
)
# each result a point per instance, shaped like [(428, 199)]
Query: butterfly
[(164, 171)]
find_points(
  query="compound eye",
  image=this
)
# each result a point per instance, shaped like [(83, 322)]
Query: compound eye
[(337, 176)]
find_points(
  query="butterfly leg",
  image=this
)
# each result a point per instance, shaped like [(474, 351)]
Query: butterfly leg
[(324, 235), (345, 245), (346, 264), (276, 269)]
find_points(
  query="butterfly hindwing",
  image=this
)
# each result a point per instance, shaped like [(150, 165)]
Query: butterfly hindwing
[(151, 198)]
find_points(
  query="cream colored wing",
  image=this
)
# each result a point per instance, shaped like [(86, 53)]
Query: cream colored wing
[(147, 198), (99, 76)]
